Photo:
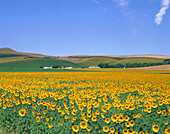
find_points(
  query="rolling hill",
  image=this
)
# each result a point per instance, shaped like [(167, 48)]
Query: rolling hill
[(10, 58), (97, 60), (37, 63), (8, 52)]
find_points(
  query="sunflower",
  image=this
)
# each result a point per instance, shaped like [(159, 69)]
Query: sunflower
[(139, 115), (81, 108), (88, 114), (66, 117), (104, 108), (97, 112), (155, 128), (88, 128), (132, 123), (134, 116), (125, 131), (38, 119), (121, 119), (134, 132), (164, 113), (141, 132), (158, 111), (38, 113), (50, 125), (4, 107), (47, 119), (82, 113), (166, 123), (112, 129), (167, 131), (75, 128), (107, 120), (127, 124), (44, 112), (126, 118), (113, 118), (22, 112), (58, 107), (83, 125), (106, 129), (130, 131), (89, 110), (94, 119), (102, 115)]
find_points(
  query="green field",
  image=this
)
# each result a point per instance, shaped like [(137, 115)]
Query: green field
[(37, 64), (97, 60), (138, 60)]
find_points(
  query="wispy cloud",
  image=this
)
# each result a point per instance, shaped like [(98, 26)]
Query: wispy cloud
[(97, 2), (100, 5), (162, 11), (122, 2)]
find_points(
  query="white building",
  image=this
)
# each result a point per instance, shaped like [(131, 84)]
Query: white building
[(93, 67), (47, 67), (68, 67)]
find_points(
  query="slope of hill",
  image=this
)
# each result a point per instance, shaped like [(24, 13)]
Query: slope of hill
[(38, 63), (8, 52), (138, 60), (97, 60)]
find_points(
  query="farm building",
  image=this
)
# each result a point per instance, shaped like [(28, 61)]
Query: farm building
[(93, 67), (47, 67)]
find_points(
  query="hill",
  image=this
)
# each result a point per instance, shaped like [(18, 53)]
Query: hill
[(138, 60), (8, 52), (97, 60), (19, 59), (37, 63)]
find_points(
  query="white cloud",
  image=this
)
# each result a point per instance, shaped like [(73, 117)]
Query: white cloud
[(97, 2), (122, 2), (162, 11)]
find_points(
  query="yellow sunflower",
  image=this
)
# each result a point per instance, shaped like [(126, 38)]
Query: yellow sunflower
[(155, 128), (83, 125), (105, 129), (22, 112)]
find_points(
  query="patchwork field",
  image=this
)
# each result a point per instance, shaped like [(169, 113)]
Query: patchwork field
[(138, 60), (37, 63), (113, 61), (116, 101), (97, 60)]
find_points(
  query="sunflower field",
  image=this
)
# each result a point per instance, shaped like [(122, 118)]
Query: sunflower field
[(120, 102)]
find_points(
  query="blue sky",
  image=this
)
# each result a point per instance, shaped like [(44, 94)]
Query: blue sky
[(86, 27)]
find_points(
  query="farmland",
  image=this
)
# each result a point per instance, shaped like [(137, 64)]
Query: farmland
[(113, 101), (37, 63), (123, 61), (97, 60), (138, 60)]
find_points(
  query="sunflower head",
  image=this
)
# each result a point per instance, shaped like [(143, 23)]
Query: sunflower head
[(75, 128), (155, 128), (22, 112), (83, 125), (105, 129)]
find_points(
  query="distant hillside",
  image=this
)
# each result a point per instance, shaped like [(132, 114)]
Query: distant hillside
[(97, 60), (138, 60), (38, 63), (16, 59), (8, 52)]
